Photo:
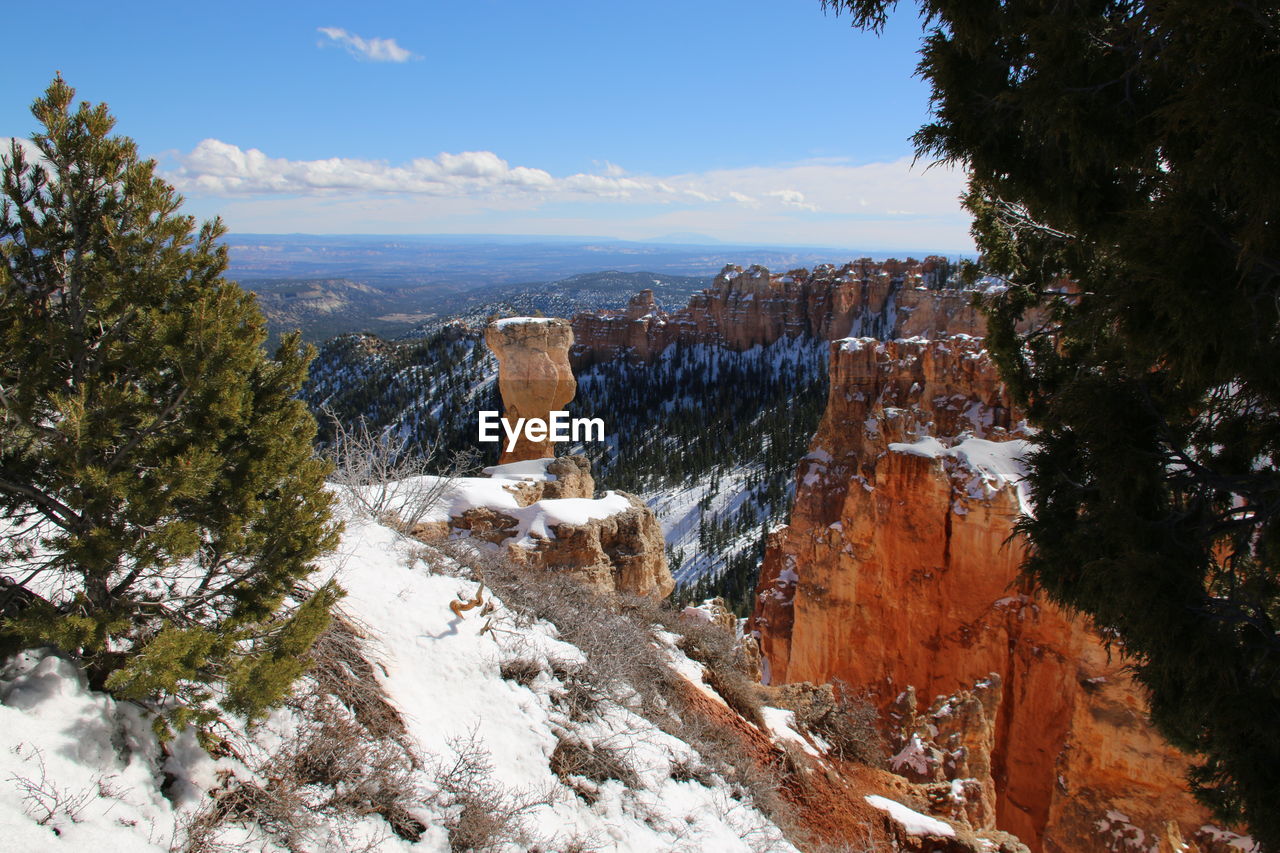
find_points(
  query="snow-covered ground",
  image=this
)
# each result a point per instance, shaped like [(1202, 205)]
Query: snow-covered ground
[(715, 497), (79, 771)]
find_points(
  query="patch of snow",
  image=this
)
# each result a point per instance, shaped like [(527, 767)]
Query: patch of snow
[(1229, 838), (530, 469), (912, 757), (994, 464), (521, 321), (928, 447), (911, 821), (782, 724)]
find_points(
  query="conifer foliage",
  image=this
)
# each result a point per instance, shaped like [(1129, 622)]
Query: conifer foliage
[(1123, 181), (161, 500)]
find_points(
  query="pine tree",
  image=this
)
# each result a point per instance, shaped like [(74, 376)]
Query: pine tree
[(156, 475), (1124, 184)]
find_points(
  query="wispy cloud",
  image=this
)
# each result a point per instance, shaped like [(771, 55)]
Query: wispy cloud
[(893, 202), (219, 167), (374, 49)]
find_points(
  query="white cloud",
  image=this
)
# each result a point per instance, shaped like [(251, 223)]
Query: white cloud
[(374, 49), (221, 168), (791, 198), (893, 203)]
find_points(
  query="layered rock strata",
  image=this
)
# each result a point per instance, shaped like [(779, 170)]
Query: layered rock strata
[(744, 308), (898, 574), (534, 376)]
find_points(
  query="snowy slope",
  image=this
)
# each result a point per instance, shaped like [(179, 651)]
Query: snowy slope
[(97, 766)]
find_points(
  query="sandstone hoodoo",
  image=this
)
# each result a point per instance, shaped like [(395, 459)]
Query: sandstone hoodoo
[(534, 376), (898, 575)]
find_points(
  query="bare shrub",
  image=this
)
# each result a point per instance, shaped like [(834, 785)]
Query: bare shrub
[(340, 668), (596, 761), (485, 814), (43, 800), (728, 669), (580, 696), (621, 662), (846, 720), (688, 768), (522, 670), (275, 810), (739, 692), (577, 842), (346, 759), (750, 781), (383, 478), (326, 775)]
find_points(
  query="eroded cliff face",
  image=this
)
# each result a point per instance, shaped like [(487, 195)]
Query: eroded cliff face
[(744, 308), (533, 375), (898, 575)]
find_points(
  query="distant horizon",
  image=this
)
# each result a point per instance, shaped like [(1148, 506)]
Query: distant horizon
[(501, 239)]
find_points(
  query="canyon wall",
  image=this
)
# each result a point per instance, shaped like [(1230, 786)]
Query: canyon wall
[(744, 308), (898, 575)]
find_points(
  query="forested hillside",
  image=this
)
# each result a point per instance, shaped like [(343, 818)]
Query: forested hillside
[(707, 436), (710, 437)]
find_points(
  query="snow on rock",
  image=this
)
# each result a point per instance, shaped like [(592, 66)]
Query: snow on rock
[(522, 321), (782, 724), (912, 759), (1231, 840), (912, 822), (537, 519), (528, 470), (454, 497), (992, 465)]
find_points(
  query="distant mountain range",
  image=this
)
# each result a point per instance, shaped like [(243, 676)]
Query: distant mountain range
[(327, 285), (323, 308)]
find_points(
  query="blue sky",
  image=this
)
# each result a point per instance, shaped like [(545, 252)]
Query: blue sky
[(764, 121)]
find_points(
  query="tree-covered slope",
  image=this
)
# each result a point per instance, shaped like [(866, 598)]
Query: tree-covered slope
[(707, 436)]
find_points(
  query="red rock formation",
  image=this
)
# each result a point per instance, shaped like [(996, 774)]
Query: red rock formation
[(533, 375), (748, 307), (897, 571)]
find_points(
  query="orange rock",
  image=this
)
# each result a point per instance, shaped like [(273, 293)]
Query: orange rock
[(744, 308), (622, 552), (533, 375), (898, 571)]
